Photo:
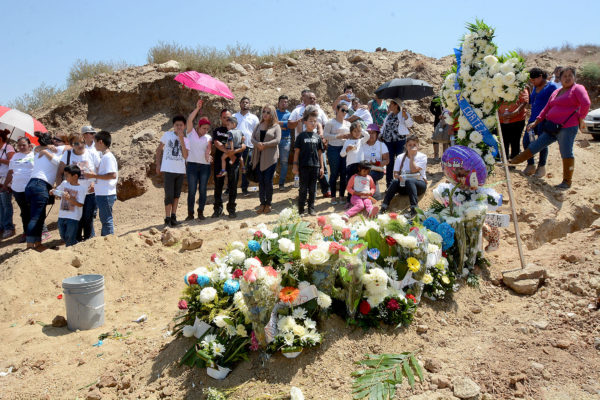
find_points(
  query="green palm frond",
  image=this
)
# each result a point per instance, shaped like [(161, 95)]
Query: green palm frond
[(379, 375)]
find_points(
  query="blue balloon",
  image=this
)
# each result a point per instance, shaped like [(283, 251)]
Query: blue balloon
[(464, 167)]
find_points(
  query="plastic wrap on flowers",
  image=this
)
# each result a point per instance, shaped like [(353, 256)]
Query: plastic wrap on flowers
[(351, 268), (473, 225), (260, 287)]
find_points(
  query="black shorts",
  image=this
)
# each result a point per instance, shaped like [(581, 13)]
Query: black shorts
[(172, 183)]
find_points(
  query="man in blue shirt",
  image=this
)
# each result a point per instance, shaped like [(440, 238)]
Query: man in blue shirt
[(540, 94), (284, 145)]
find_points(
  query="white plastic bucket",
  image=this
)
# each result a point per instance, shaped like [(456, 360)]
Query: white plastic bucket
[(84, 300)]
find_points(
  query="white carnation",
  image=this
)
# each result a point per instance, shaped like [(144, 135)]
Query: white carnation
[(323, 300), (475, 137), (461, 134), (221, 321), (207, 294), (285, 214), (252, 262), (238, 245), (236, 256), (490, 60), (318, 256)]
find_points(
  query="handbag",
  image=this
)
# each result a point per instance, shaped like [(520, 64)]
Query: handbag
[(553, 128)]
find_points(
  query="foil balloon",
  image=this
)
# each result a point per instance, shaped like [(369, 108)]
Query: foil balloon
[(464, 167)]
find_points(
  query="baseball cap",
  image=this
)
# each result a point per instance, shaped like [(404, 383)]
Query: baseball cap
[(88, 129), (203, 121)]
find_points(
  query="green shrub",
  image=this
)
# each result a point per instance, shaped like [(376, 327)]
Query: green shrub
[(84, 69), (36, 99), (591, 73)]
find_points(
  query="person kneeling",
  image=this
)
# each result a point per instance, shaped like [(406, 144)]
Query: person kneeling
[(409, 175), (72, 196), (362, 187)]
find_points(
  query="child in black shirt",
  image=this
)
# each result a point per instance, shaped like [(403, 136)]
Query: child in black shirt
[(308, 162)]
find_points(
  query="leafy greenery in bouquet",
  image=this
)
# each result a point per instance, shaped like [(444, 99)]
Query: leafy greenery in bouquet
[(217, 348), (296, 327)]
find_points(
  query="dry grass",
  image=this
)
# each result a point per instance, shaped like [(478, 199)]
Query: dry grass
[(210, 59), (583, 50), (84, 69)]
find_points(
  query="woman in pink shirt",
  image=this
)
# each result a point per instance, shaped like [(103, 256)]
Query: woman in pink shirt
[(567, 107)]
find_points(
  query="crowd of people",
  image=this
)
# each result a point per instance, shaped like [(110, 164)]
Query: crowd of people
[(345, 156)]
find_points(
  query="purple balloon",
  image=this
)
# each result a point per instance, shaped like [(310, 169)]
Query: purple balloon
[(463, 166)]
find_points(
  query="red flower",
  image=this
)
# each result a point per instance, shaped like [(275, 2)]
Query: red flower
[(444, 254), (335, 247), (414, 228), (182, 305), (346, 233), (364, 307), (321, 221), (393, 215), (378, 163), (413, 298), (393, 305), (258, 234), (213, 257), (193, 279), (327, 230), (390, 241), (237, 273)]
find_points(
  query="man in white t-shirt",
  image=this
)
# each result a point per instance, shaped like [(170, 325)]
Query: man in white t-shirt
[(88, 136), (361, 114), (170, 161), (410, 176), (106, 177), (246, 123)]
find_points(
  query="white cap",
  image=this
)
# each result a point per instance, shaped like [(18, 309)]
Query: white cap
[(88, 129)]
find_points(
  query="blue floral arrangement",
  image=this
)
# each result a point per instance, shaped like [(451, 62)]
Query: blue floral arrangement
[(231, 286), (253, 245), (447, 233)]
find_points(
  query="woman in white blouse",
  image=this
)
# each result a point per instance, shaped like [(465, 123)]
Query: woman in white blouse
[(409, 175), (376, 153)]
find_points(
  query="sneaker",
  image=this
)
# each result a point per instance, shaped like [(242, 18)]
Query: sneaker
[(281, 187), (190, 217), (174, 221), (232, 215), (334, 201), (8, 234), (312, 212), (374, 212), (222, 173), (217, 214), (167, 221)]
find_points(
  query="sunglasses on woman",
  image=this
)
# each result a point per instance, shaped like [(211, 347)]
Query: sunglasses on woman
[(266, 112), (344, 110)]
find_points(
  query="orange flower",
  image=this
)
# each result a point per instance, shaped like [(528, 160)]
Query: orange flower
[(289, 294)]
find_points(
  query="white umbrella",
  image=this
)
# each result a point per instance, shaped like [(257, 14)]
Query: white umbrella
[(20, 124)]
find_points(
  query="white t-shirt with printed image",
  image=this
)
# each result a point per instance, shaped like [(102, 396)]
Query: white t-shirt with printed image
[(172, 156), (87, 162), (67, 209)]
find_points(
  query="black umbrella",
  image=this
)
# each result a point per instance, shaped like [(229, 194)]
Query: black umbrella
[(405, 89)]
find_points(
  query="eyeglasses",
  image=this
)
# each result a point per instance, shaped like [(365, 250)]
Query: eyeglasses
[(266, 112), (344, 110)]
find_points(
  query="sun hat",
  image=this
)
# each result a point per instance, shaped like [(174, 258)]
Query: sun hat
[(373, 127), (203, 121), (88, 129), (397, 101)]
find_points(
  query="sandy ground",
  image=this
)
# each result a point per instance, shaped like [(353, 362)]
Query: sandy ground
[(544, 342)]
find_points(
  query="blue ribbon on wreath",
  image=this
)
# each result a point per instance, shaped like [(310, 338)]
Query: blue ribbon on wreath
[(470, 114)]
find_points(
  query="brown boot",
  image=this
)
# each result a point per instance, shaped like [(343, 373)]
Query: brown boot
[(267, 210), (260, 209), (529, 170), (568, 169), (523, 156)]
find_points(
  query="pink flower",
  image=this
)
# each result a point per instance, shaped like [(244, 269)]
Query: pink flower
[(182, 305), (310, 247), (213, 257), (258, 259), (250, 276), (335, 247), (271, 271), (258, 234), (346, 233), (321, 221), (393, 215), (254, 346), (327, 230)]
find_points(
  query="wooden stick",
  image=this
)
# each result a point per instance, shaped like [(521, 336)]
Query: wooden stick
[(511, 197)]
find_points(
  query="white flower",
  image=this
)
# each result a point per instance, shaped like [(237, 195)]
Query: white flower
[(323, 300), (218, 349), (208, 294), (296, 394), (384, 218), (489, 159), (490, 60), (303, 285), (376, 299), (449, 119), (237, 245), (408, 242), (285, 214), (208, 339), (507, 67), (304, 255), (188, 331), (286, 324), (427, 279), (240, 330), (434, 237), (490, 121), (221, 321), (391, 272), (463, 123), (299, 313), (432, 248), (337, 223), (236, 256), (299, 330), (318, 256), (310, 324), (286, 245), (288, 338), (252, 262), (461, 134), (239, 303)]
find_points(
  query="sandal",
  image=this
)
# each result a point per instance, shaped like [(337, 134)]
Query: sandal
[(222, 173)]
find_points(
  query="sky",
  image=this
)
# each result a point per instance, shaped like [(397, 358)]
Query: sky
[(43, 39)]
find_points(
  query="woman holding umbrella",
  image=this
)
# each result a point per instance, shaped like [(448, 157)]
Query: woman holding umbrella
[(394, 132), (7, 228)]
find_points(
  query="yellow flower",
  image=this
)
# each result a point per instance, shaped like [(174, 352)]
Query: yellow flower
[(427, 279), (445, 279), (413, 264)]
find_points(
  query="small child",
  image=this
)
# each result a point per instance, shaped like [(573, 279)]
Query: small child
[(353, 151), (308, 162), (235, 138), (72, 196), (362, 187)]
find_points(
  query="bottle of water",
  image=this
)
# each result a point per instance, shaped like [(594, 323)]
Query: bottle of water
[(531, 135), (296, 181)]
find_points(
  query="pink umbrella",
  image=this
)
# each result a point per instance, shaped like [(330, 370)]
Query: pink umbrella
[(20, 124), (204, 83)]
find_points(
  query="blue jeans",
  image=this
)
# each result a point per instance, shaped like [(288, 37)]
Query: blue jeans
[(6, 211), (24, 206), (247, 156), (265, 185), (395, 149), (36, 193), (67, 228), (105, 205), (284, 157), (337, 165), (412, 187), (197, 178), (86, 223), (543, 152), (565, 138)]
